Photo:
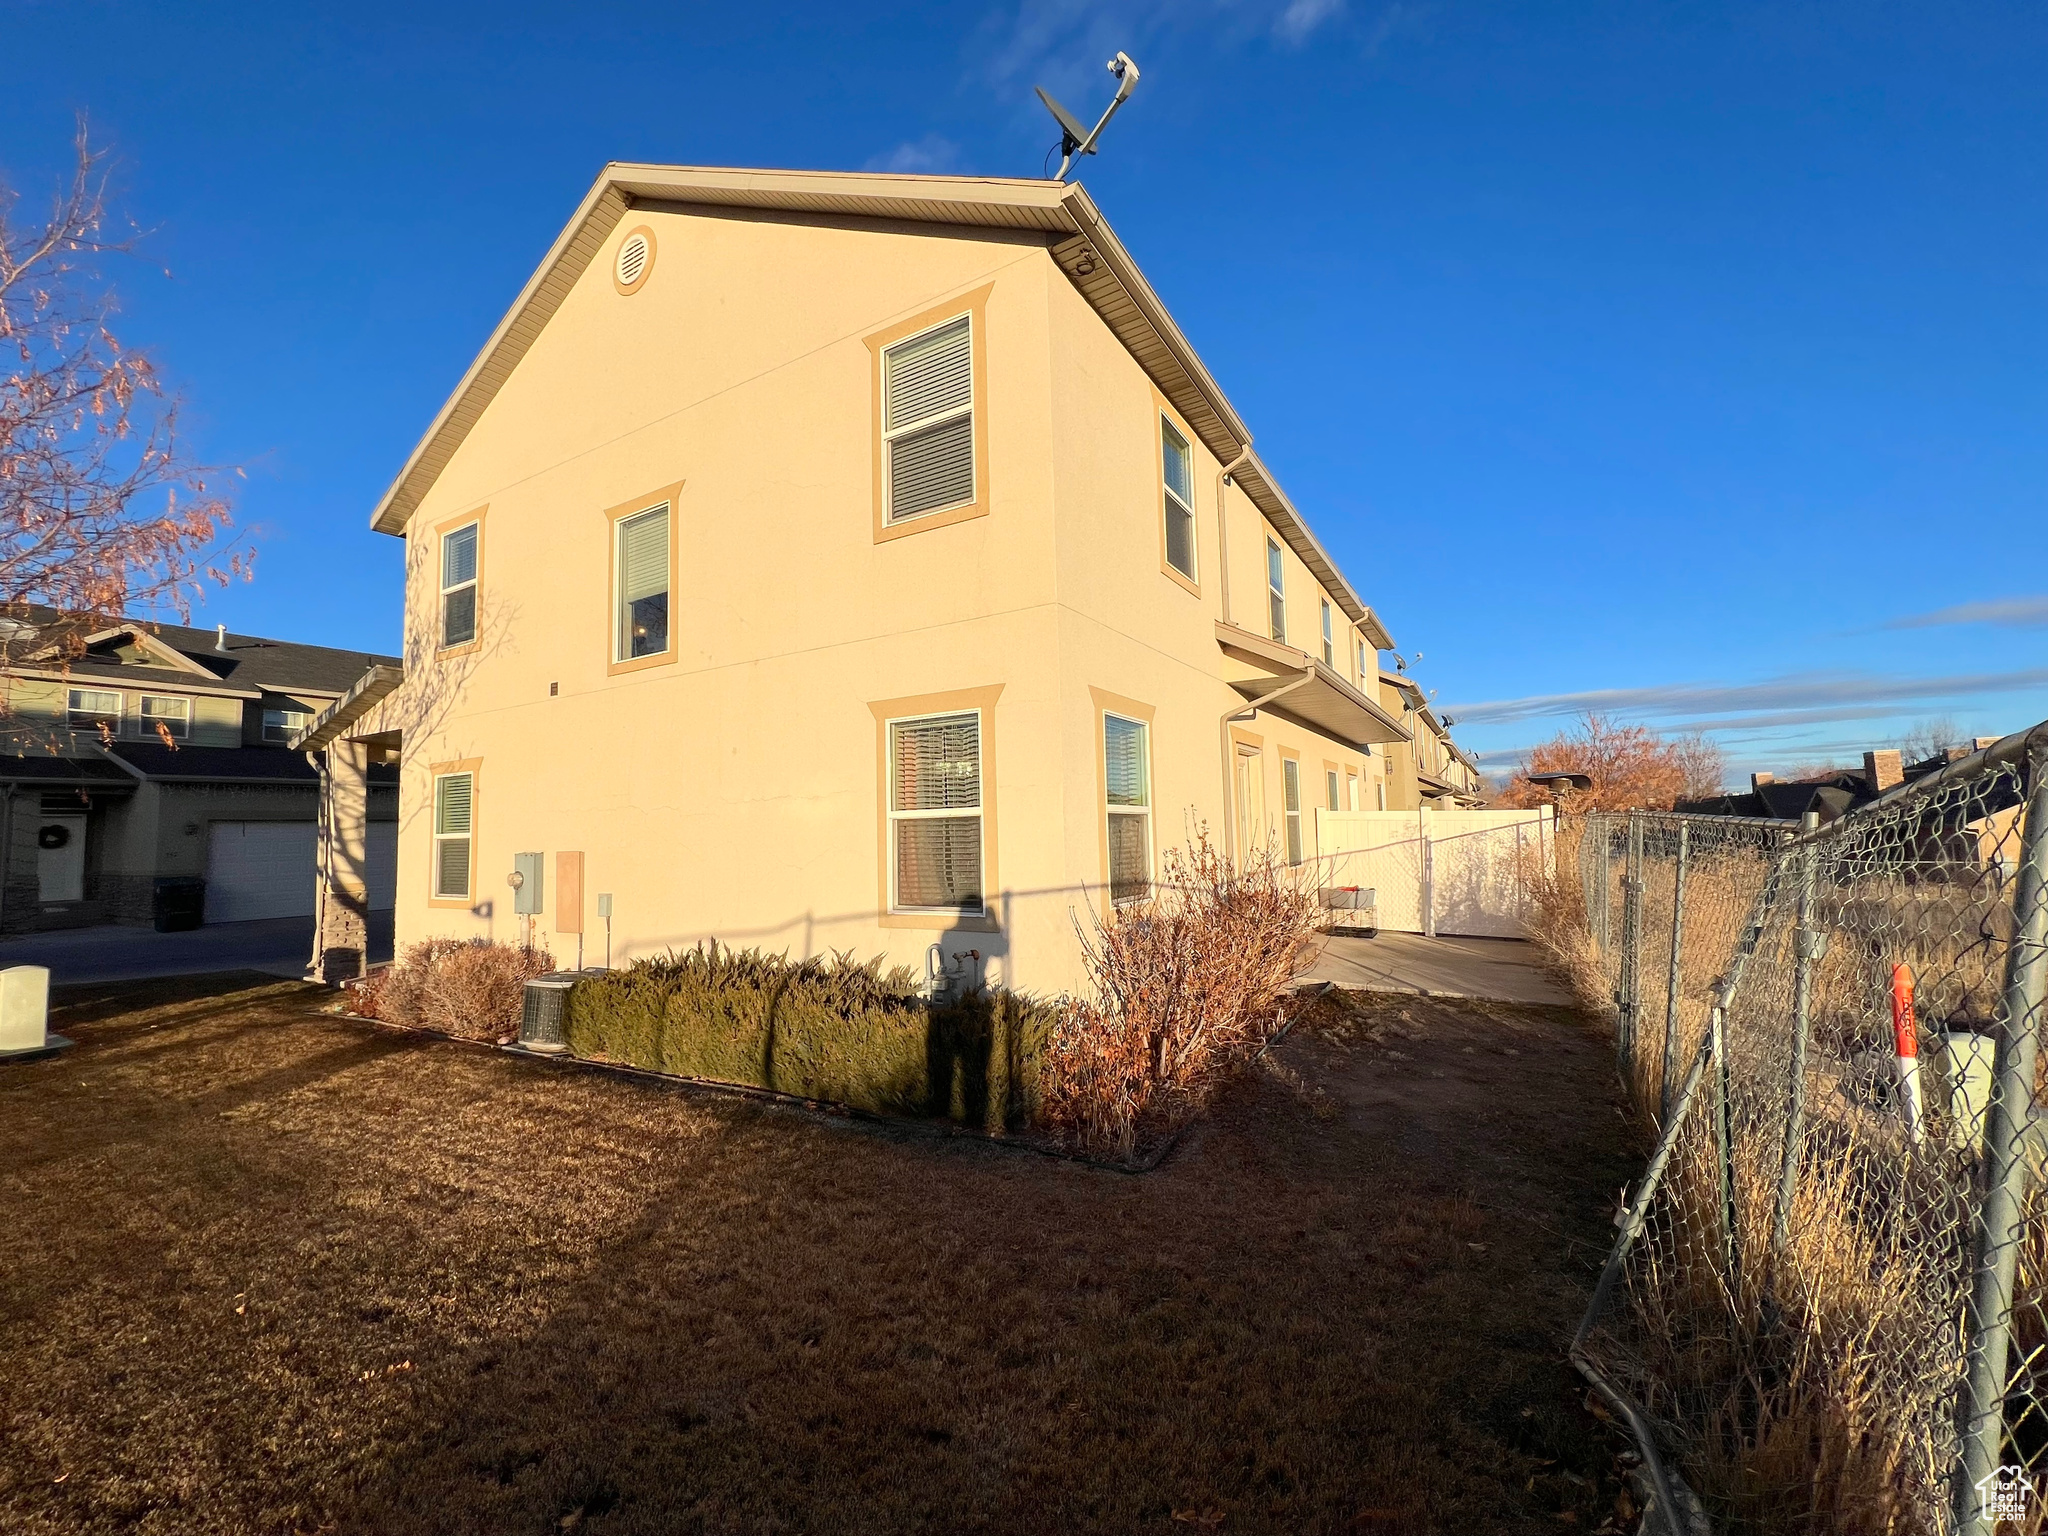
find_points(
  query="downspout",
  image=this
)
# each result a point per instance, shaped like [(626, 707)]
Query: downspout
[(1235, 712), (1223, 484)]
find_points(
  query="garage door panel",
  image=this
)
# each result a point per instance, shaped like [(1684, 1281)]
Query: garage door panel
[(259, 869)]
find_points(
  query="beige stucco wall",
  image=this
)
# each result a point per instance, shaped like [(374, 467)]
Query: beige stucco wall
[(734, 794)]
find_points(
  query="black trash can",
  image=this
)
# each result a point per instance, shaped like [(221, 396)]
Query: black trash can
[(180, 903)]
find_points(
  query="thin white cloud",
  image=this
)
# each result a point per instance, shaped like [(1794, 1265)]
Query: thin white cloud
[(2005, 612), (1303, 16), (1791, 699), (934, 154)]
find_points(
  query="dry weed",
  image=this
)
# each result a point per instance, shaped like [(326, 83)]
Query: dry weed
[(1185, 989)]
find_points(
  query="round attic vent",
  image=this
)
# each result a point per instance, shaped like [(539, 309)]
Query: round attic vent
[(635, 260)]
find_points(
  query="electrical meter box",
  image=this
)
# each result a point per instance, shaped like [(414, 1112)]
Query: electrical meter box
[(527, 897)]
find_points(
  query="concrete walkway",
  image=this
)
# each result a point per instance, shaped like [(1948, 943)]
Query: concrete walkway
[(1505, 970), (279, 945)]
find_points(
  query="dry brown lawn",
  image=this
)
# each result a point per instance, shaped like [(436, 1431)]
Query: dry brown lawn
[(264, 1269)]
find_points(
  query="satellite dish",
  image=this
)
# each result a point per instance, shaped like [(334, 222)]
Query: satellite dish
[(1074, 140)]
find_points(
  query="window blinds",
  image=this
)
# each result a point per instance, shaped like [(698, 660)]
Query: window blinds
[(458, 557), (1124, 761), (643, 555), (451, 805), (935, 808), (453, 795), (1130, 859), (930, 375), (937, 764), (928, 419), (1180, 471)]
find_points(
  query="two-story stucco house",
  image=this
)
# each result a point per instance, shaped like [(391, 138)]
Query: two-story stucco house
[(133, 753), (843, 561)]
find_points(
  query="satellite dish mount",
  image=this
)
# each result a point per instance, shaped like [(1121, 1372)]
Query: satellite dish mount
[(1074, 140)]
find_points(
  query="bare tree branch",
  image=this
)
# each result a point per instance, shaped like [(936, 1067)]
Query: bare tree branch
[(104, 512)]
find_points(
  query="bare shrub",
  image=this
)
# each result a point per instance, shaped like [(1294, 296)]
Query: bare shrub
[(1184, 990), (471, 988)]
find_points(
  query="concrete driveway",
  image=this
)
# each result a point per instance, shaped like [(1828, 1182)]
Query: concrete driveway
[(279, 945), (1505, 970)]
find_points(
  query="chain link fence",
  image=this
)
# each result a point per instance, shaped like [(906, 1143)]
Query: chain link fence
[(1826, 1303)]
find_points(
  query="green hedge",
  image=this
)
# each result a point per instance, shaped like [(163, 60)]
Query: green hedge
[(830, 1029)]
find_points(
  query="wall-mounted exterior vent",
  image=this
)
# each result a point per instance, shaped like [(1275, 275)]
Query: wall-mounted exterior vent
[(635, 260)]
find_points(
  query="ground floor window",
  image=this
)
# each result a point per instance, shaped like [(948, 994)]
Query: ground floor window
[(454, 816), (1290, 782), (1127, 773), (935, 813)]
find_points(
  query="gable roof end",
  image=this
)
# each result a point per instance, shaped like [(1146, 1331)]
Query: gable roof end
[(1080, 239)]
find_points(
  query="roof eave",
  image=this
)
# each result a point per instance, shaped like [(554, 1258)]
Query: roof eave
[(1083, 245)]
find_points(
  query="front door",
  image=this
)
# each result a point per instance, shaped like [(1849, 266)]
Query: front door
[(60, 857), (1251, 805)]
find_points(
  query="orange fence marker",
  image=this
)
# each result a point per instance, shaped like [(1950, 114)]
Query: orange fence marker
[(1906, 1043)]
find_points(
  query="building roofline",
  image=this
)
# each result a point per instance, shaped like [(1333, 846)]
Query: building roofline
[(1080, 240)]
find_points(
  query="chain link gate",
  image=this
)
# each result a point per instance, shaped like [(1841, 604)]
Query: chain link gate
[(1826, 1302)]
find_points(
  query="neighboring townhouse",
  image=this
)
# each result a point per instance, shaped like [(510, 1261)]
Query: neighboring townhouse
[(1428, 770), (132, 753), (844, 562)]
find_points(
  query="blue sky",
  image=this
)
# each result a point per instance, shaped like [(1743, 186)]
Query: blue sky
[(1685, 360)]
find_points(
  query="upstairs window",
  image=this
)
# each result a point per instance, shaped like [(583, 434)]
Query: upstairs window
[(928, 420), (166, 714), (458, 584), (1127, 772), (1179, 473), (284, 724), (94, 709), (1276, 591), (642, 582), (1329, 638), (1362, 673), (935, 813), (454, 816)]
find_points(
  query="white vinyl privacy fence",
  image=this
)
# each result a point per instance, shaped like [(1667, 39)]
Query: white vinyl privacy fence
[(1439, 872)]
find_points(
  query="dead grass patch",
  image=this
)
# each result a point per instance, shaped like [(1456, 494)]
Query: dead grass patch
[(263, 1269)]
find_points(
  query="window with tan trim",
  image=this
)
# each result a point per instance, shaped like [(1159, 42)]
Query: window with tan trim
[(454, 823), (928, 420), (1330, 774), (1177, 471), (1127, 777), (1290, 783), (458, 583), (1329, 637), (935, 814), (640, 548)]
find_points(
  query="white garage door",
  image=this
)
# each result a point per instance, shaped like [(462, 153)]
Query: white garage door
[(259, 869)]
